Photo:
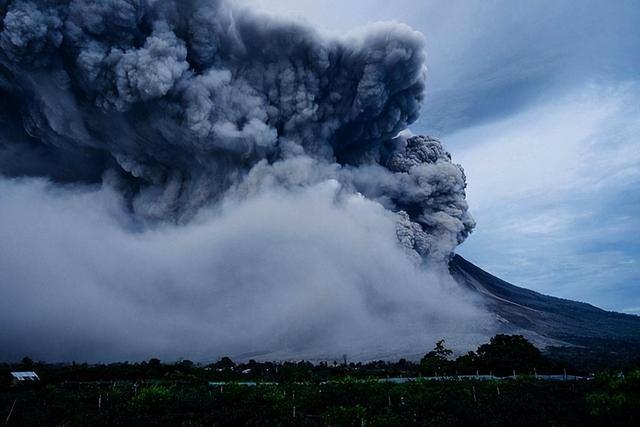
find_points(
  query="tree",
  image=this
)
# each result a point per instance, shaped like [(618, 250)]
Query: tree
[(186, 364), (437, 359), (224, 363), (506, 353), (467, 363), (27, 363)]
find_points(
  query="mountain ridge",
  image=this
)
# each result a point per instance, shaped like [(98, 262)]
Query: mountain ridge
[(547, 320)]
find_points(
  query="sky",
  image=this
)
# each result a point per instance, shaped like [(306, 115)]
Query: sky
[(539, 101)]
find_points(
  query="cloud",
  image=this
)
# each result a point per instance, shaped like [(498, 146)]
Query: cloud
[(489, 59), (311, 272), (140, 83), (501, 78), (213, 181), (555, 196)]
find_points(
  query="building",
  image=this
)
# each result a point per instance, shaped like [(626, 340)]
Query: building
[(25, 376)]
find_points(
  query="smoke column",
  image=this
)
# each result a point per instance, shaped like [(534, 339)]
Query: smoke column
[(189, 178)]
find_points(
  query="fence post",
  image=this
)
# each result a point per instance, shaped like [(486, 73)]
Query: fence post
[(10, 412)]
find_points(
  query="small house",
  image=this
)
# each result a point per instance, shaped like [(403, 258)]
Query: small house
[(24, 377)]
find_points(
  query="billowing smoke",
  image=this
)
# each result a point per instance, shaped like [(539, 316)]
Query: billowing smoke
[(219, 181)]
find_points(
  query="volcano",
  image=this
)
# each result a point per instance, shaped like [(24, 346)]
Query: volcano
[(548, 321)]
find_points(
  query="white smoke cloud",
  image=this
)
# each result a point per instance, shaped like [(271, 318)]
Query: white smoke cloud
[(304, 273)]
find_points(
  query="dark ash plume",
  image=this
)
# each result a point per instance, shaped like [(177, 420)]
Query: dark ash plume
[(182, 99), (202, 162)]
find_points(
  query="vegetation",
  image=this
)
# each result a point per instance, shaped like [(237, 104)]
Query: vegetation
[(503, 355), (302, 393)]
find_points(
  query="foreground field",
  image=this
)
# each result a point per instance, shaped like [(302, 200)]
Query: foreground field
[(504, 382), (525, 401)]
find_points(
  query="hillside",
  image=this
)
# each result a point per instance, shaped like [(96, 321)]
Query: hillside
[(545, 319)]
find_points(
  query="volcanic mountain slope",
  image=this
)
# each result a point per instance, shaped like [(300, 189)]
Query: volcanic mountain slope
[(546, 320)]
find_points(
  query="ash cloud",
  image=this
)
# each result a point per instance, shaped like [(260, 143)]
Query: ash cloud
[(181, 118), (312, 273)]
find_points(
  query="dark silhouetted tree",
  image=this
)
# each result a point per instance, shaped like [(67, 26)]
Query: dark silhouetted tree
[(506, 353), (224, 363), (26, 363), (437, 360)]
